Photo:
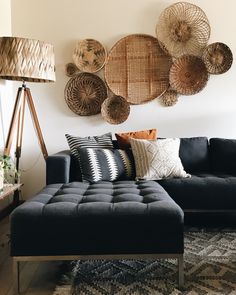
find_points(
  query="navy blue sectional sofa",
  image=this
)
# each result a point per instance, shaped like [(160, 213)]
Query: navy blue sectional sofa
[(211, 163), (69, 218)]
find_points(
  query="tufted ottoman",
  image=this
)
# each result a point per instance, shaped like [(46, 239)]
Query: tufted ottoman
[(106, 220)]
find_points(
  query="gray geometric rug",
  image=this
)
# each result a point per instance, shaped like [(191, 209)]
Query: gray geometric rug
[(210, 268)]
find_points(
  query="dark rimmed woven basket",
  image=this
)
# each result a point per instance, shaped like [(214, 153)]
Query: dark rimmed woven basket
[(115, 110), (183, 28), (137, 68), (218, 58), (85, 93), (188, 75), (89, 55)]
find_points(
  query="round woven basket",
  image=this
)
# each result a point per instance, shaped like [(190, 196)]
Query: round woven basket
[(71, 69), (218, 58), (115, 110), (137, 68), (85, 93), (188, 75), (169, 98), (89, 55), (183, 28)]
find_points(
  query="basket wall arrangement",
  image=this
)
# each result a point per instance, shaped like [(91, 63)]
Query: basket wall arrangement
[(115, 110), (188, 75), (85, 93), (137, 68), (89, 55), (218, 58), (183, 28)]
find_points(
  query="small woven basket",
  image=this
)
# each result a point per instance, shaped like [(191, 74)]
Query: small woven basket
[(71, 69), (85, 93), (89, 55), (169, 98), (218, 58), (188, 75), (115, 110)]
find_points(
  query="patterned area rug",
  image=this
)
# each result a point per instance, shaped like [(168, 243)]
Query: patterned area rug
[(210, 268)]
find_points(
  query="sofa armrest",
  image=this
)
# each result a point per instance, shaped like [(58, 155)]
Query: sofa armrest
[(58, 167)]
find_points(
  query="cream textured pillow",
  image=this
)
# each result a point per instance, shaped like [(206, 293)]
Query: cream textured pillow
[(157, 159)]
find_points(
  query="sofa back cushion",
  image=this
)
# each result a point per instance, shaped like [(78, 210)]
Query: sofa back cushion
[(223, 155), (194, 154)]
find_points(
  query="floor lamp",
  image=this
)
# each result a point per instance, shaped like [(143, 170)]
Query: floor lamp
[(25, 60)]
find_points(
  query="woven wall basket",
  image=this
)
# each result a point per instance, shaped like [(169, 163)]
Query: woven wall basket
[(188, 75), (71, 69), (89, 55), (85, 93), (218, 58), (115, 110), (183, 28), (137, 68), (170, 97)]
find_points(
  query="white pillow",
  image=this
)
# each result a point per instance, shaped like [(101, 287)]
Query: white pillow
[(157, 159)]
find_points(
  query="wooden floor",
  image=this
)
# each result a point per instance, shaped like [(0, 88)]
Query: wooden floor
[(37, 278)]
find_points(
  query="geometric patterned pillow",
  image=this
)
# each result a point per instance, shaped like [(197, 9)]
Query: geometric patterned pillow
[(105, 164), (157, 159), (98, 141)]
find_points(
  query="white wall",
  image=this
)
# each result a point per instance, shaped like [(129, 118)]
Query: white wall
[(6, 100), (5, 87), (211, 112)]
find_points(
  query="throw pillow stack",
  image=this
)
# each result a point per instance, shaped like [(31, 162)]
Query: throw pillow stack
[(99, 161), (140, 153)]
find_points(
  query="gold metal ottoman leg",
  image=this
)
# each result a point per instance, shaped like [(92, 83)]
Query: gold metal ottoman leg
[(181, 272), (16, 276)]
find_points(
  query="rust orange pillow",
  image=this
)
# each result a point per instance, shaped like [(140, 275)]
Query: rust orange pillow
[(123, 138)]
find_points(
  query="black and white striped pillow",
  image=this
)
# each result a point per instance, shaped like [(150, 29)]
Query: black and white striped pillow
[(106, 164), (99, 141)]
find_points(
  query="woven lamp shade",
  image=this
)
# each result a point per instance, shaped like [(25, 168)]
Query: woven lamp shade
[(27, 60)]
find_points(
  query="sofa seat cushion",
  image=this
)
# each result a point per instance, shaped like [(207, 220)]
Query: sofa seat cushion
[(203, 191), (102, 218)]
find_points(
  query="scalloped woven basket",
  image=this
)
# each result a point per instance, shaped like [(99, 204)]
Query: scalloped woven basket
[(85, 93), (188, 75), (137, 68), (115, 110), (89, 55), (218, 58), (183, 28), (170, 97)]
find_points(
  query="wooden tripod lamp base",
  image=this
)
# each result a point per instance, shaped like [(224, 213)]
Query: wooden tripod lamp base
[(17, 122)]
